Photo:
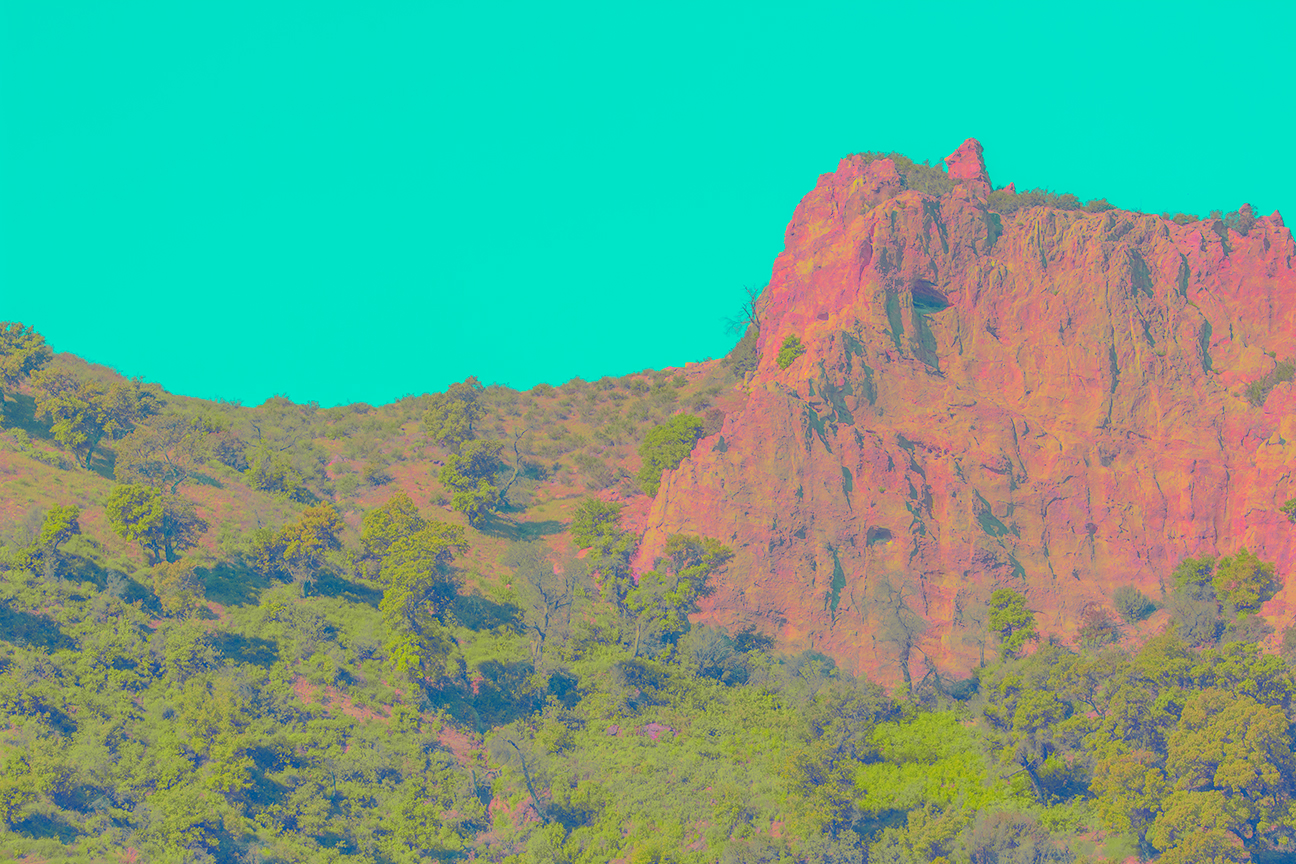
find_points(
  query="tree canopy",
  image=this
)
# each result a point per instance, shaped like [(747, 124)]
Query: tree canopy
[(22, 352), (451, 416)]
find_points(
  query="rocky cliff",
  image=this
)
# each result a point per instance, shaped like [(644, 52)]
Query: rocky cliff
[(1051, 401)]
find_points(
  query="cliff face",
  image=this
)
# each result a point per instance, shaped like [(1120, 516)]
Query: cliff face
[(1050, 401)]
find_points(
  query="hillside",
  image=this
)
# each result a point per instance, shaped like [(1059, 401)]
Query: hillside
[(975, 548)]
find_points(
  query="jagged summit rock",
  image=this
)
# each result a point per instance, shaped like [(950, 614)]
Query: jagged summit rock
[(966, 166)]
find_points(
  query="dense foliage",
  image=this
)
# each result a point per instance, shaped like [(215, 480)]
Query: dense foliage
[(225, 637)]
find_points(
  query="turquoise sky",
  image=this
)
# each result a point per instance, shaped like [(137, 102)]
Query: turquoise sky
[(355, 202)]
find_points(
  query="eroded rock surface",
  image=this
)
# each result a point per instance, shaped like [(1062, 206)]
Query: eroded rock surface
[(1052, 402)]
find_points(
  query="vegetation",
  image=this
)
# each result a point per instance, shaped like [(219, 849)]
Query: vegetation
[(1007, 201), (372, 671), (665, 447), (789, 351), (22, 352), (1258, 391), (1132, 604)]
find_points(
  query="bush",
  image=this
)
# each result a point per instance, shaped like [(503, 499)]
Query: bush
[(597, 473), (743, 358), (1258, 391), (790, 351), (1241, 220), (1132, 604), (1004, 201), (665, 447)]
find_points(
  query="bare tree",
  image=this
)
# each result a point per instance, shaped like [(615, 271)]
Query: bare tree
[(898, 624), (547, 591), (748, 314)]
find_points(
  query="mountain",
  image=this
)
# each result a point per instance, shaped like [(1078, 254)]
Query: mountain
[(1051, 400)]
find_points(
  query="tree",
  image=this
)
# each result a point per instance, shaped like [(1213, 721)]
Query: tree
[(22, 352), (164, 455), (547, 591), (135, 513), (82, 412), (748, 314), (272, 471), (384, 525), (898, 624), (306, 541), (297, 550), (1244, 582), (176, 585), (468, 474), (451, 415), (1289, 509), (663, 599), (596, 525), (1011, 620), (61, 524), (418, 588), (1194, 577), (1232, 757), (665, 447), (161, 524)]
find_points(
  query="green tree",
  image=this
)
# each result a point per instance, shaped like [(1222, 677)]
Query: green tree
[(22, 352), (308, 540), (596, 525), (1289, 509), (272, 471), (385, 524), (298, 550), (468, 474), (1243, 582), (451, 416), (1011, 620), (62, 523), (662, 599), (176, 585), (418, 587), (547, 591), (665, 447), (161, 524), (82, 412), (789, 351)]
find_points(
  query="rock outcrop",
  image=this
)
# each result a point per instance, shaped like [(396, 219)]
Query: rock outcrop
[(1052, 402)]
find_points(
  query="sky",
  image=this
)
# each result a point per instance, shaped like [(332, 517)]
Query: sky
[(355, 202)]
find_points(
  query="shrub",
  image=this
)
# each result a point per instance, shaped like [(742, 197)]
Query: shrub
[(743, 358), (1096, 626), (1258, 391), (790, 351), (1132, 604), (597, 473), (1004, 201), (1241, 220), (665, 447)]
